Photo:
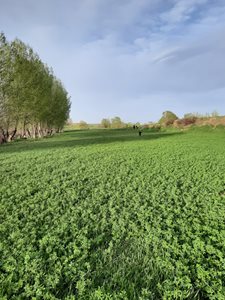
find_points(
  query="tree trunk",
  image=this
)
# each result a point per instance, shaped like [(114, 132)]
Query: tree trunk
[(33, 131), (39, 130), (28, 131), (11, 135), (2, 137), (24, 129)]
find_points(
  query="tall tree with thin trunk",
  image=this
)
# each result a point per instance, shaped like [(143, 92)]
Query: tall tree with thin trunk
[(33, 101)]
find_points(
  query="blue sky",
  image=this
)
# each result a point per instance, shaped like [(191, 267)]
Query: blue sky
[(131, 58)]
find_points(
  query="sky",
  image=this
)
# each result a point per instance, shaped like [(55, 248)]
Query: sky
[(129, 58)]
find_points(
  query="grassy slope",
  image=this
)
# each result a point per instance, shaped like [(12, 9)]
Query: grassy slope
[(104, 213)]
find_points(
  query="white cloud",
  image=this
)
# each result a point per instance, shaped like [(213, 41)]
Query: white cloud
[(181, 10)]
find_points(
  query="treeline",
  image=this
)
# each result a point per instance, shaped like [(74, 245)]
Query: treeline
[(115, 122), (168, 119), (33, 102), (191, 119)]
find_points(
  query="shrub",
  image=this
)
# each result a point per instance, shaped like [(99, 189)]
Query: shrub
[(168, 118)]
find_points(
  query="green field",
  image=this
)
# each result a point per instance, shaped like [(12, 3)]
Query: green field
[(106, 214)]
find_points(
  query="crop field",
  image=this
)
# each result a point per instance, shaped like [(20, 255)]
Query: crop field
[(106, 214)]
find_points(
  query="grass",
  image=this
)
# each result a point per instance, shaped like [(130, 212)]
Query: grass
[(106, 214)]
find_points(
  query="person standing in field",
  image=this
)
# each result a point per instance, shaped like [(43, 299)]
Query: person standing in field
[(140, 131)]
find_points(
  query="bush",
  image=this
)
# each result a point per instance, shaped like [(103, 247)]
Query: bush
[(83, 125), (185, 122), (168, 118), (105, 123)]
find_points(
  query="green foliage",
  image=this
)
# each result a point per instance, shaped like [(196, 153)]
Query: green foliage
[(83, 125), (105, 123), (116, 122), (103, 214), (168, 118), (213, 114), (33, 102)]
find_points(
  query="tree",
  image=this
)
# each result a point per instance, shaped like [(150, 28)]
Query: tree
[(69, 121), (33, 101), (7, 74), (168, 118), (193, 115), (83, 125), (116, 122), (105, 123), (215, 114)]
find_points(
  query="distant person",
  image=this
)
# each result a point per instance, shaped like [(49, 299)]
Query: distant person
[(134, 127), (139, 132)]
